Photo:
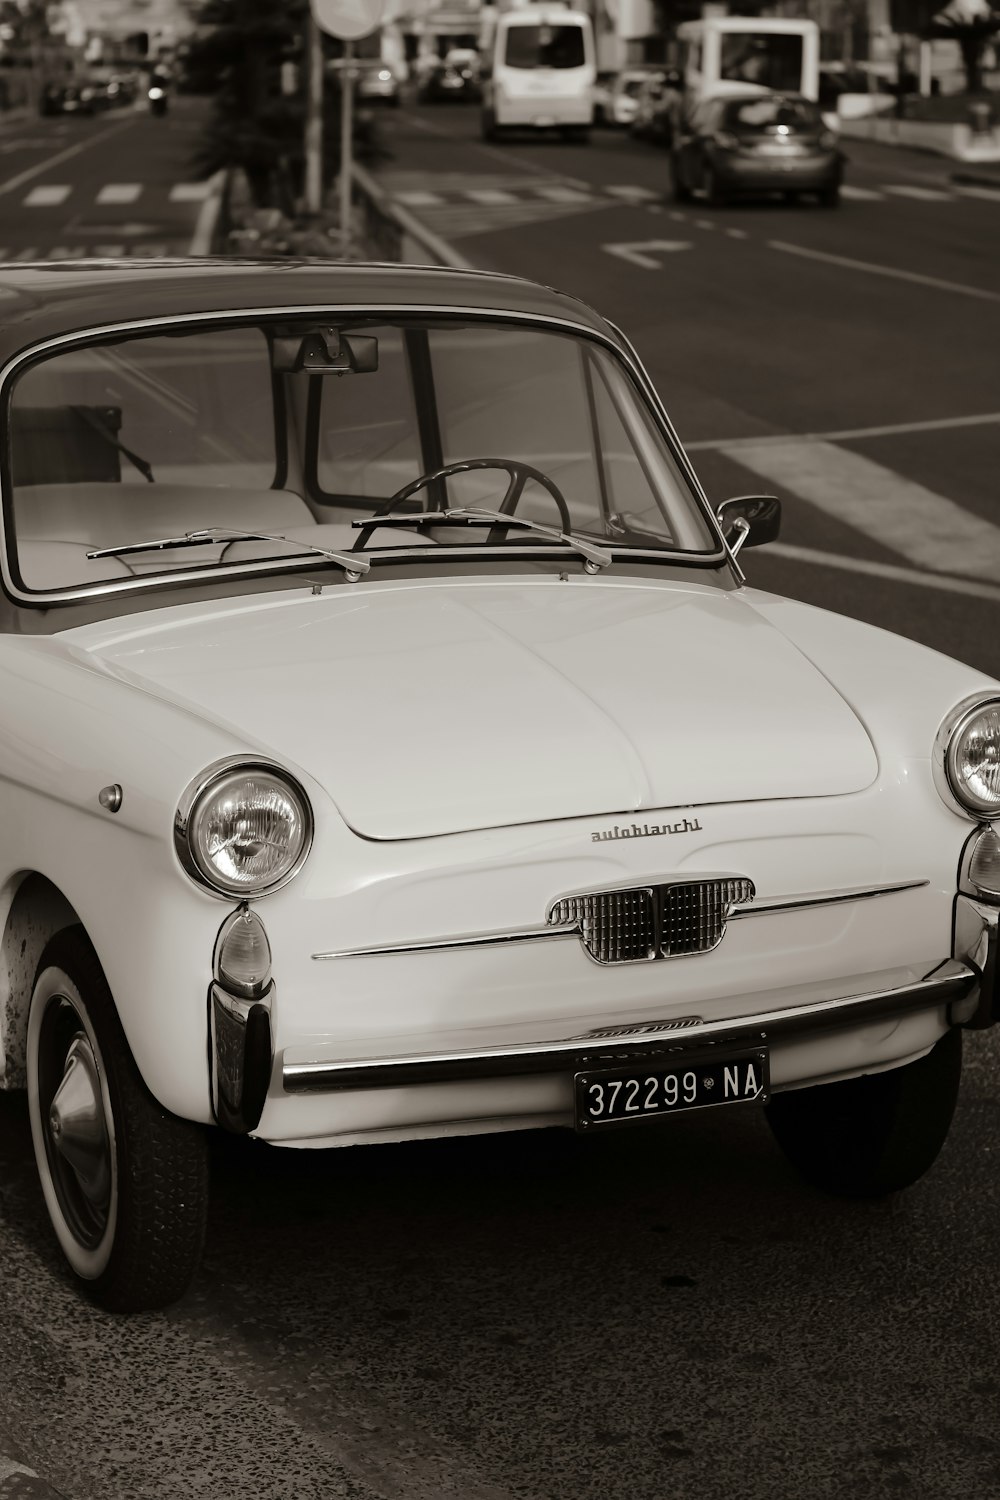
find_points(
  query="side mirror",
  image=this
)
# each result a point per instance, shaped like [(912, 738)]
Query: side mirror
[(749, 520)]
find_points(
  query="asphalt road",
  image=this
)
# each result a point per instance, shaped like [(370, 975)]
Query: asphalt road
[(665, 1314)]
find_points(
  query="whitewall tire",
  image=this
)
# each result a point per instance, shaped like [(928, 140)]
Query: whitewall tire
[(125, 1182)]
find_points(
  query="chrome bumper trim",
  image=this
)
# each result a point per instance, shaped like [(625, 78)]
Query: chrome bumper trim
[(976, 942), (763, 907), (242, 1055), (951, 981)]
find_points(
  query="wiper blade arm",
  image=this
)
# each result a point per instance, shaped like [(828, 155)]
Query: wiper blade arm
[(351, 562), (597, 557)]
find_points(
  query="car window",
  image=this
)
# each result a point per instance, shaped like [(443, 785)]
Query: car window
[(197, 411), (768, 114), (545, 47), (770, 59)]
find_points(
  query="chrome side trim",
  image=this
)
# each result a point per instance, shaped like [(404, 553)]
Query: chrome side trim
[(763, 907), (825, 898), (951, 981)]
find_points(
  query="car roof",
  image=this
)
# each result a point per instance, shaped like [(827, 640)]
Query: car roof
[(46, 299)]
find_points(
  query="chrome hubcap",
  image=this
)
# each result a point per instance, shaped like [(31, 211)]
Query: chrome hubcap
[(77, 1126)]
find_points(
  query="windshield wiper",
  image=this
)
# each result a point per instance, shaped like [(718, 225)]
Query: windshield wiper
[(351, 562), (596, 557)]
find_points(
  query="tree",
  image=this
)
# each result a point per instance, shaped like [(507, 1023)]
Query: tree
[(971, 24), (237, 56)]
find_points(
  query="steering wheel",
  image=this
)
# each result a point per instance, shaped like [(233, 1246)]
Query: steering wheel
[(519, 475)]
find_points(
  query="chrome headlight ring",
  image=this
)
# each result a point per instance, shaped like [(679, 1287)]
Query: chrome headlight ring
[(274, 807), (952, 747)]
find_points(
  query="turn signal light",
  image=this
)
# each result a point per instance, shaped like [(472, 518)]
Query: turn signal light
[(984, 866)]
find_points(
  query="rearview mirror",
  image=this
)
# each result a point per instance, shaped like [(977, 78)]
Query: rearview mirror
[(325, 351), (749, 520)]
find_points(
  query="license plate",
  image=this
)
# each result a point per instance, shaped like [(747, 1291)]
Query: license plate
[(630, 1093)]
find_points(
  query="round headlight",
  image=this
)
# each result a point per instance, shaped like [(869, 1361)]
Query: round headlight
[(244, 830), (972, 759)]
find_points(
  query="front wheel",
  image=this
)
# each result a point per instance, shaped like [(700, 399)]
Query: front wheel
[(869, 1136), (830, 196), (125, 1183)]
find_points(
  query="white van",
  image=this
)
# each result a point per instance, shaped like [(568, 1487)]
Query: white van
[(729, 54), (540, 72)]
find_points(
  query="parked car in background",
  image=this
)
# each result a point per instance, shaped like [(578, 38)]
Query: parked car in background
[(661, 841), (454, 79), (654, 104), (379, 84), (603, 85), (623, 96), (72, 97), (757, 143)]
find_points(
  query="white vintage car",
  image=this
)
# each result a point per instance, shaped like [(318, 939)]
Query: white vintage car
[(391, 747)]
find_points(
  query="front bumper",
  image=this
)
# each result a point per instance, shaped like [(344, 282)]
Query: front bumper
[(954, 985)]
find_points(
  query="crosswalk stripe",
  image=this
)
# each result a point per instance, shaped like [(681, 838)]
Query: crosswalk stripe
[(640, 194), (489, 195), (898, 513), (119, 192), (922, 194), (47, 195), (189, 192), (419, 200), (860, 194), (990, 195), (557, 194)]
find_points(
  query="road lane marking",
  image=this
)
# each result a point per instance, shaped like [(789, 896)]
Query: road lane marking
[(119, 192), (889, 571), (860, 194), (13, 183), (190, 192), (47, 195), (847, 434), (898, 513), (704, 224), (873, 269), (922, 194), (634, 253), (737, 234)]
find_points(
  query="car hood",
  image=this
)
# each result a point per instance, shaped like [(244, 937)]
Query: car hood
[(436, 708)]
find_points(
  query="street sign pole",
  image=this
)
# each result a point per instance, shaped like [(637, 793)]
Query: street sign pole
[(346, 145), (349, 20), (314, 116)]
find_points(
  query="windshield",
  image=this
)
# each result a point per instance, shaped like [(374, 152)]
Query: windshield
[(771, 59), (545, 47), (298, 430)]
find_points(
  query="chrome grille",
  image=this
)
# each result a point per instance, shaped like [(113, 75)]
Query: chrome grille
[(617, 927), (693, 917), (650, 922)]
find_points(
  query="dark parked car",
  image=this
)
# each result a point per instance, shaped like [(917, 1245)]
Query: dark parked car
[(68, 99), (756, 143), (456, 77), (653, 110)]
